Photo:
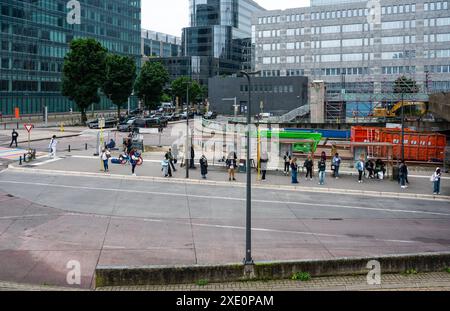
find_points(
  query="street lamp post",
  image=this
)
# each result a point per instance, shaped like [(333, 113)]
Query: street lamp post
[(187, 149), (403, 125), (248, 240)]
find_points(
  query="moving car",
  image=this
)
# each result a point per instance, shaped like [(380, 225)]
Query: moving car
[(109, 123), (210, 115), (125, 126)]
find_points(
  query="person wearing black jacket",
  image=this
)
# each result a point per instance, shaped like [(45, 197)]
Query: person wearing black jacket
[(309, 167), (287, 162), (14, 136)]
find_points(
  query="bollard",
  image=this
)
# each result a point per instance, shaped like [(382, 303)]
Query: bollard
[(69, 148), (24, 157), (20, 160), (85, 147), (34, 154), (17, 125)]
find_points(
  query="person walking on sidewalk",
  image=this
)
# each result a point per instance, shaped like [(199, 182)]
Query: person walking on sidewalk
[(294, 171), (336, 164), (264, 161), (436, 179), (171, 159), (231, 163), (52, 146), (167, 172), (192, 165), (135, 159), (14, 136), (309, 164), (403, 173), (287, 162), (204, 166), (322, 168), (360, 168), (105, 155)]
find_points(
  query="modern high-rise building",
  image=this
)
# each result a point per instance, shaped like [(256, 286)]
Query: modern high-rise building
[(157, 44), (359, 48), (217, 42), (35, 37)]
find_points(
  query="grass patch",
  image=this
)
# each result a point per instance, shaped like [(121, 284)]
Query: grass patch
[(411, 272), (447, 270), (301, 276), (202, 282)]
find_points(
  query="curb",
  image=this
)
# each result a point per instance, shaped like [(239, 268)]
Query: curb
[(164, 275), (392, 195)]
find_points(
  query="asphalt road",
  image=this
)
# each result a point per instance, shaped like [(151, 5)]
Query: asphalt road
[(48, 220)]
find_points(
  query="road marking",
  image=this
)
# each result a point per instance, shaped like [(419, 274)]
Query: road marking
[(226, 198), (47, 162)]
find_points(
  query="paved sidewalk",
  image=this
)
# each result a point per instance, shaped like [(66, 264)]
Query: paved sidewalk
[(420, 185), (390, 282), (40, 133)]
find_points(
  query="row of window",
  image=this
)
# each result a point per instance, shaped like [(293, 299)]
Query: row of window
[(436, 53), (435, 6), (345, 71), (441, 21), (438, 68), (32, 65), (398, 9), (442, 37), (398, 70), (268, 88)]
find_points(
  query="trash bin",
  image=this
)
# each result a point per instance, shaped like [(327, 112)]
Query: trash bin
[(243, 166)]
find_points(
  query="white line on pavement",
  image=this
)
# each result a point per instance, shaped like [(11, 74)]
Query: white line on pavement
[(46, 162), (225, 198)]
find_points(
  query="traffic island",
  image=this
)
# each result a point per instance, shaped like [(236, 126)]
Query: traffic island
[(106, 276)]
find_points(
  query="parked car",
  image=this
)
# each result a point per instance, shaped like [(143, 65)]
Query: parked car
[(109, 123), (210, 115), (183, 115), (145, 123), (125, 126)]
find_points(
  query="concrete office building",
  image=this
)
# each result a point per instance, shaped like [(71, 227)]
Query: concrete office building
[(157, 44), (217, 42), (358, 51), (275, 95), (35, 37)]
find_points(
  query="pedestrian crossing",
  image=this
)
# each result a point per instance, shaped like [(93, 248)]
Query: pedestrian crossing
[(13, 153)]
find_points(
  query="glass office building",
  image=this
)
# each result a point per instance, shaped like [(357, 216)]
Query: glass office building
[(357, 50), (35, 36), (157, 44), (218, 41)]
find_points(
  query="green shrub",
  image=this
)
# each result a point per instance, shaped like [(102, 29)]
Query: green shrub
[(202, 282), (301, 276), (411, 271)]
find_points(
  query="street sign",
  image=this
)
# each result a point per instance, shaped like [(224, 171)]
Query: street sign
[(28, 127)]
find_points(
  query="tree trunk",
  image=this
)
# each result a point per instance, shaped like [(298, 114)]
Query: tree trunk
[(118, 114), (83, 116)]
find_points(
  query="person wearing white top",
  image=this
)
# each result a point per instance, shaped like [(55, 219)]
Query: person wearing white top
[(52, 146)]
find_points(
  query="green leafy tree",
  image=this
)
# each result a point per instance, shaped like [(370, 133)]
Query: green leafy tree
[(83, 73), (406, 86), (150, 84), (197, 92), (119, 79)]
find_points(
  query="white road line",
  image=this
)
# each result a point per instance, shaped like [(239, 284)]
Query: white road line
[(226, 198), (47, 162)]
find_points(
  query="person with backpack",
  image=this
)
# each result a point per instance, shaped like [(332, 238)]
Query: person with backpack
[(294, 171), (322, 168), (336, 164), (105, 155), (436, 179), (287, 162), (203, 166), (309, 167), (360, 168), (14, 136)]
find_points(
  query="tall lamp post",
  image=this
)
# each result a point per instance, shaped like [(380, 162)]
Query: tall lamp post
[(248, 236), (403, 124), (187, 149)]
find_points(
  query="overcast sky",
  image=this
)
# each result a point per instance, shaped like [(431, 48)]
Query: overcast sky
[(170, 16)]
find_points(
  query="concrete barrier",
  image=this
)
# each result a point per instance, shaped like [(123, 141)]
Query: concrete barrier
[(164, 275)]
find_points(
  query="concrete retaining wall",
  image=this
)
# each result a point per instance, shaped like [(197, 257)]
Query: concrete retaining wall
[(163, 275)]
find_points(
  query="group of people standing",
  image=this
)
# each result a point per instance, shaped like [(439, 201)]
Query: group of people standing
[(291, 164)]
